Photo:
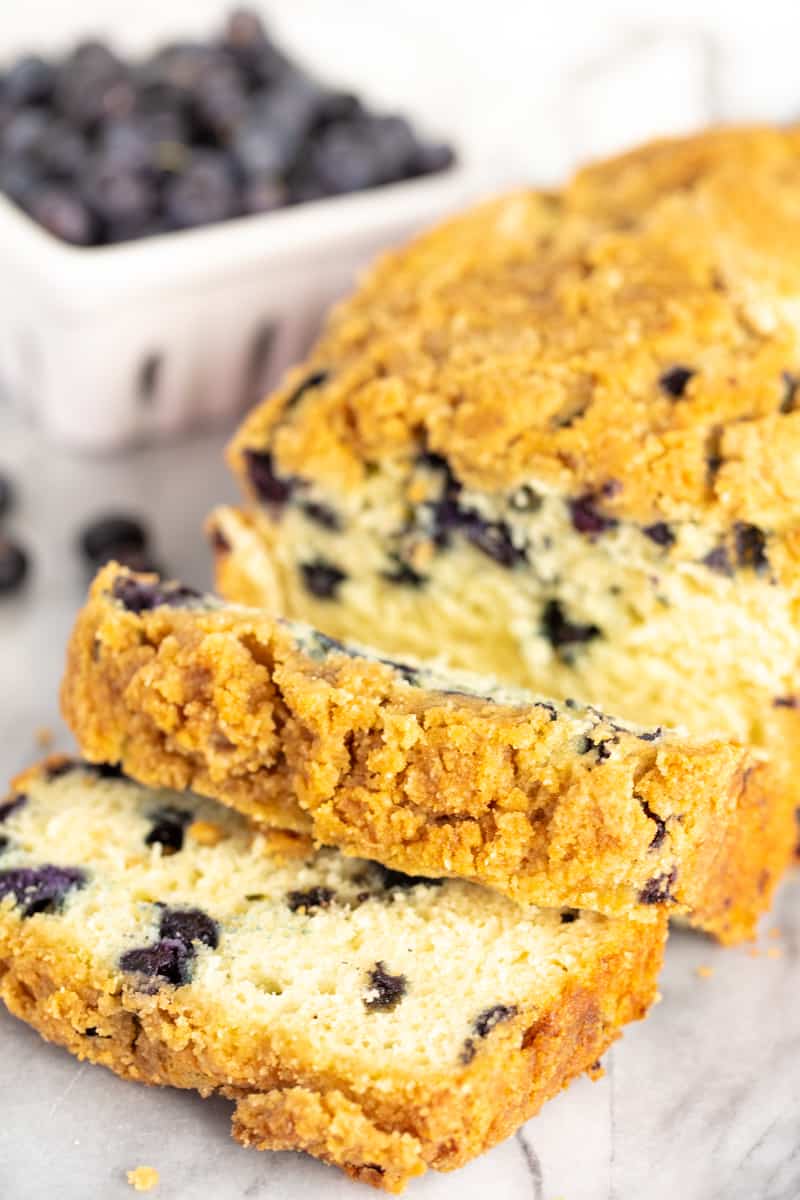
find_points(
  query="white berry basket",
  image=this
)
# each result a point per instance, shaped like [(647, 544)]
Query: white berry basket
[(109, 346)]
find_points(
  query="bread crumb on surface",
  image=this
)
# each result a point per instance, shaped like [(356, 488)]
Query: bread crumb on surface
[(143, 1179), (775, 932), (705, 972), (44, 737), (774, 952)]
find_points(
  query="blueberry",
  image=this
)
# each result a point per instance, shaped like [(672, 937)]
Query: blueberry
[(751, 546), (63, 214), (316, 897), (168, 828), (13, 565), (791, 383), (105, 535), (321, 514), (20, 177), (168, 959), (659, 822), (94, 85), (263, 194), (431, 157), (29, 81), (493, 538), (322, 578), (675, 380), (62, 151), (24, 131), (659, 889), (314, 380), (269, 140), (189, 925), (560, 631), (6, 495), (204, 193), (136, 595), (244, 30), (660, 533), (569, 916), (11, 806), (40, 889), (392, 881), (127, 144), (403, 573), (123, 201), (344, 158), (587, 517), (485, 1021), (269, 486), (222, 104), (385, 991), (603, 747), (718, 560)]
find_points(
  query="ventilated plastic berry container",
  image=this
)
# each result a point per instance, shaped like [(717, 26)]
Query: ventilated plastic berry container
[(109, 346)]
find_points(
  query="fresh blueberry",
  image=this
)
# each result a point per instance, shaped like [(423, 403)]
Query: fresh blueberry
[(6, 495), (204, 193), (29, 81), (104, 536), (14, 565), (264, 194), (24, 132), (40, 889), (60, 211), (431, 157), (20, 177), (123, 201)]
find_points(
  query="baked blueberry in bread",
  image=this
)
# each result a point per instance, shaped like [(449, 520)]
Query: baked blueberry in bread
[(435, 773), (557, 440), (382, 1023)]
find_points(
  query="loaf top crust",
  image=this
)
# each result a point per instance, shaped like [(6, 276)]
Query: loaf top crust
[(633, 337)]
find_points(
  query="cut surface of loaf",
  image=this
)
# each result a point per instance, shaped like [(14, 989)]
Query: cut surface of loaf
[(383, 1023), (557, 440), (428, 772)]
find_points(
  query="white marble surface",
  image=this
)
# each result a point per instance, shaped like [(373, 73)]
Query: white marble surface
[(701, 1102)]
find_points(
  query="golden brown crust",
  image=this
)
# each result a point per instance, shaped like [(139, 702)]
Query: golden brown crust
[(383, 1137), (225, 702), (525, 340)]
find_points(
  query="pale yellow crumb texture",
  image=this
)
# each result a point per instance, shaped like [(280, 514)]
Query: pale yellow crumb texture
[(143, 1179)]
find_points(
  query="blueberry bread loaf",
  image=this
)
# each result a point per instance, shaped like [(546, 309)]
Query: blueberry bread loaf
[(430, 773), (382, 1023), (558, 440)]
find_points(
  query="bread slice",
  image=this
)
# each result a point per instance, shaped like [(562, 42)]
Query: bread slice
[(557, 440), (382, 1023), (430, 773)]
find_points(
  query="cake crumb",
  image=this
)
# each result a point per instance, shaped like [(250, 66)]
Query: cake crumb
[(143, 1179), (775, 932), (774, 952), (206, 833), (44, 737), (705, 972)]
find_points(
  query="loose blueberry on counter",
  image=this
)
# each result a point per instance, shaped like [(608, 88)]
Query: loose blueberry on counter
[(385, 990), (40, 889), (14, 565), (322, 578), (675, 380), (6, 495), (107, 536), (168, 829)]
